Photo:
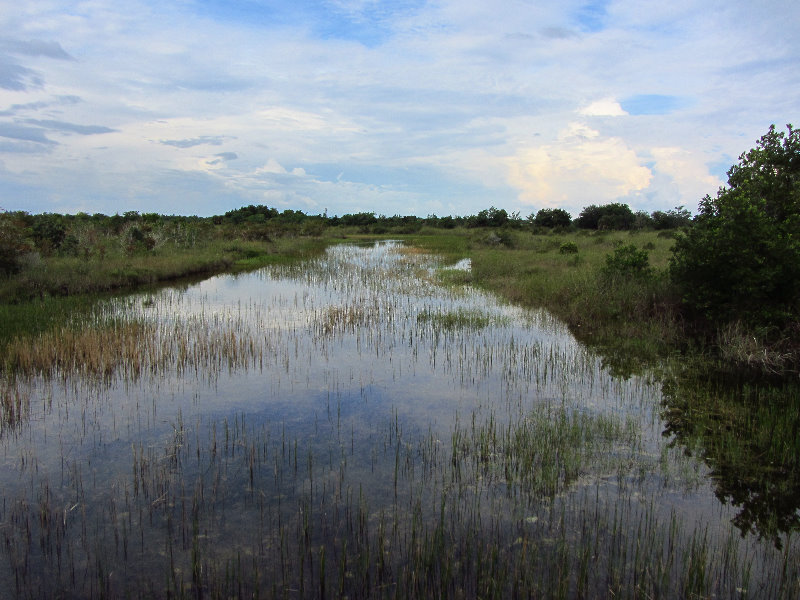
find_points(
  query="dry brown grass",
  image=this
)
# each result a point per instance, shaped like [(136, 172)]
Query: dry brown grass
[(131, 349)]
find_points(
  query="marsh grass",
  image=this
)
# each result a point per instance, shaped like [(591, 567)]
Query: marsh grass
[(114, 271), (539, 476), (631, 316), (545, 451), (460, 318), (111, 348)]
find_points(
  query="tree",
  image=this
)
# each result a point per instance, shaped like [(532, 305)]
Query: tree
[(740, 261), (608, 216), (552, 217), (491, 217), (672, 219), (13, 245)]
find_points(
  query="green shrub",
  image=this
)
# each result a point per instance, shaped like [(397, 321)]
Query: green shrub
[(740, 261), (568, 248), (13, 245), (627, 262)]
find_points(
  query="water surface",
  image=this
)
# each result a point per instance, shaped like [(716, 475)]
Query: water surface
[(347, 426)]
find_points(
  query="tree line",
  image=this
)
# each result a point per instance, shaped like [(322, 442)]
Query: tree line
[(737, 261)]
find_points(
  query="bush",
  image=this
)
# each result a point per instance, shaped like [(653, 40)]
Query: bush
[(740, 261), (568, 248), (552, 217), (13, 245), (608, 216), (672, 219), (627, 262)]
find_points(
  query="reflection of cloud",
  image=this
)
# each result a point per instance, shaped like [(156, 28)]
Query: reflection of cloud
[(582, 167)]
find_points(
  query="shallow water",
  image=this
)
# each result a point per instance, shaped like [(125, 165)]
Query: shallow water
[(337, 427)]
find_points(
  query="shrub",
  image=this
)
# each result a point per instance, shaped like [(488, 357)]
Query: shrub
[(609, 216), (568, 248), (13, 245), (627, 262), (741, 258), (552, 217)]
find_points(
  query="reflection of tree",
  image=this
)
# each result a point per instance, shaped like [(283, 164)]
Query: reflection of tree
[(747, 433)]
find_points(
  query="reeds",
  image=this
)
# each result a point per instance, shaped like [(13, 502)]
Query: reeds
[(334, 437)]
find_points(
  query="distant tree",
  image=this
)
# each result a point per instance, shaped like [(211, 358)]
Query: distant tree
[(251, 214), (13, 245), (552, 217), (48, 232), (491, 217), (608, 216), (671, 219), (740, 260), (361, 219), (641, 220), (447, 222)]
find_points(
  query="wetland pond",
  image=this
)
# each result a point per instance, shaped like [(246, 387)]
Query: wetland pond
[(347, 427)]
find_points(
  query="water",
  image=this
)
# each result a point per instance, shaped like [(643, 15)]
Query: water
[(347, 426)]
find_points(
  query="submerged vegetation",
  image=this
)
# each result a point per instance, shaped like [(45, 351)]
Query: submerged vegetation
[(345, 427)]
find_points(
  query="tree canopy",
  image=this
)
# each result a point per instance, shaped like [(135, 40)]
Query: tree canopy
[(608, 216), (741, 259)]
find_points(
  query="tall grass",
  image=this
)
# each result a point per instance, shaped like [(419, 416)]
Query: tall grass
[(362, 434), (627, 317), (65, 276)]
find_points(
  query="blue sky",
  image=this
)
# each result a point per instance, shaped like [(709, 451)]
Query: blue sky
[(406, 107)]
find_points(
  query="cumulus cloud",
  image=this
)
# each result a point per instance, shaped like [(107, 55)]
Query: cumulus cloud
[(606, 107), (580, 167), (423, 107), (687, 170)]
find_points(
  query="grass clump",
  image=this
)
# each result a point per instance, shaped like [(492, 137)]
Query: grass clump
[(458, 319), (568, 248), (616, 296), (547, 450)]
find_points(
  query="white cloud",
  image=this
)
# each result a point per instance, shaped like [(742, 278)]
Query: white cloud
[(687, 170), (606, 107), (581, 167), (501, 107)]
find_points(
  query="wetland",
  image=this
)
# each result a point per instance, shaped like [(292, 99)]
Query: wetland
[(351, 426)]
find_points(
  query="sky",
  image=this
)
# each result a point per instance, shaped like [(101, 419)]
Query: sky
[(408, 107)]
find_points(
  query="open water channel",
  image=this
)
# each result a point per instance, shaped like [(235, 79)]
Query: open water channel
[(347, 426)]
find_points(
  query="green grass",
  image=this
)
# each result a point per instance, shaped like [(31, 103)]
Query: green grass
[(36, 316), (634, 320), (457, 319), (113, 271)]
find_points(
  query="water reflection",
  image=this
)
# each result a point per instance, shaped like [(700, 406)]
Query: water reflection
[(747, 433), (348, 426)]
